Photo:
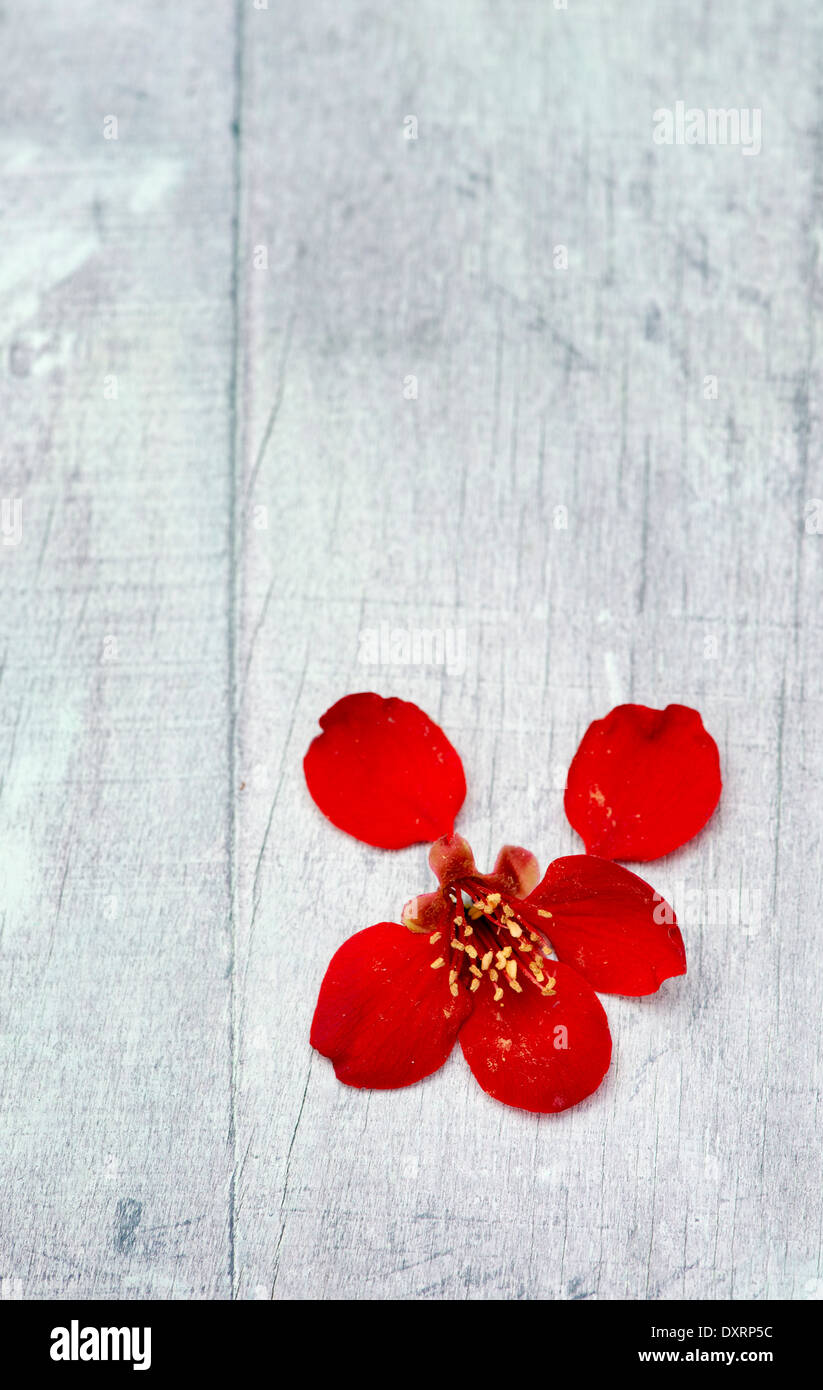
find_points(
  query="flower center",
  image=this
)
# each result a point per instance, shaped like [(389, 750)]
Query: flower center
[(492, 939)]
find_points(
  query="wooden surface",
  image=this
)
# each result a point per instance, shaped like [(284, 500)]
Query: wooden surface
[(264, 261)]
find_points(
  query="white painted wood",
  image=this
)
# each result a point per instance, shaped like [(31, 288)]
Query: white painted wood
[(116, 262), (175, 1037)]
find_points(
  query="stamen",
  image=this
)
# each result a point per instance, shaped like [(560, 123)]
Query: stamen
[(487, 960), (498, 994), (541, 912), (436, 964), (475, 984), (435, 936), (458, 945)]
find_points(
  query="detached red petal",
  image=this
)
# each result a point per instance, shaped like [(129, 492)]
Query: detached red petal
[(384, 772), (384, 1016), (538, 1052), (609, 925), (643, 781)]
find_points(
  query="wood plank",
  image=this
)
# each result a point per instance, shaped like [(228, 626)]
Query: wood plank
[(692, 1171), (117, 264)]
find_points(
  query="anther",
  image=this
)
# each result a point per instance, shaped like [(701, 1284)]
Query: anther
[(435, 936), (436, 964)]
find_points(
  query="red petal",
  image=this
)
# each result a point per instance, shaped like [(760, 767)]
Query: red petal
[(643, 781), (382, 771), (609, 925), (384, 1017), (541, 1053)]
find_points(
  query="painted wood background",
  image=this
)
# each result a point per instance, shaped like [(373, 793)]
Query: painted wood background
[(275, 372)]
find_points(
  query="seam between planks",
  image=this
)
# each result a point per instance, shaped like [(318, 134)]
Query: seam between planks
[(235, 463)]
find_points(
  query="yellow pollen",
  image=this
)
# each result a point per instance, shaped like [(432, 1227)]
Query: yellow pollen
[(475, 911), (511, 969), (498, 994), (514, 930), (471, 951), (525, 946), (475, 984), (541, 912), (492, 975), (455, 989), (458, 921), (436, 964), (492, 901), (435, 936), (487, 960), (458, 945), (452, 976), (507, 911), (515, 986), (474, 970), (468, 931), (507, 950)]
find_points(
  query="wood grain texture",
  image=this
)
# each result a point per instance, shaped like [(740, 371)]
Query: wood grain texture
[(267, 488), (115, 702)]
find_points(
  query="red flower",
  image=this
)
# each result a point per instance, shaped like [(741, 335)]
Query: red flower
[(384, 772), (643, 781), (471, 960)]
